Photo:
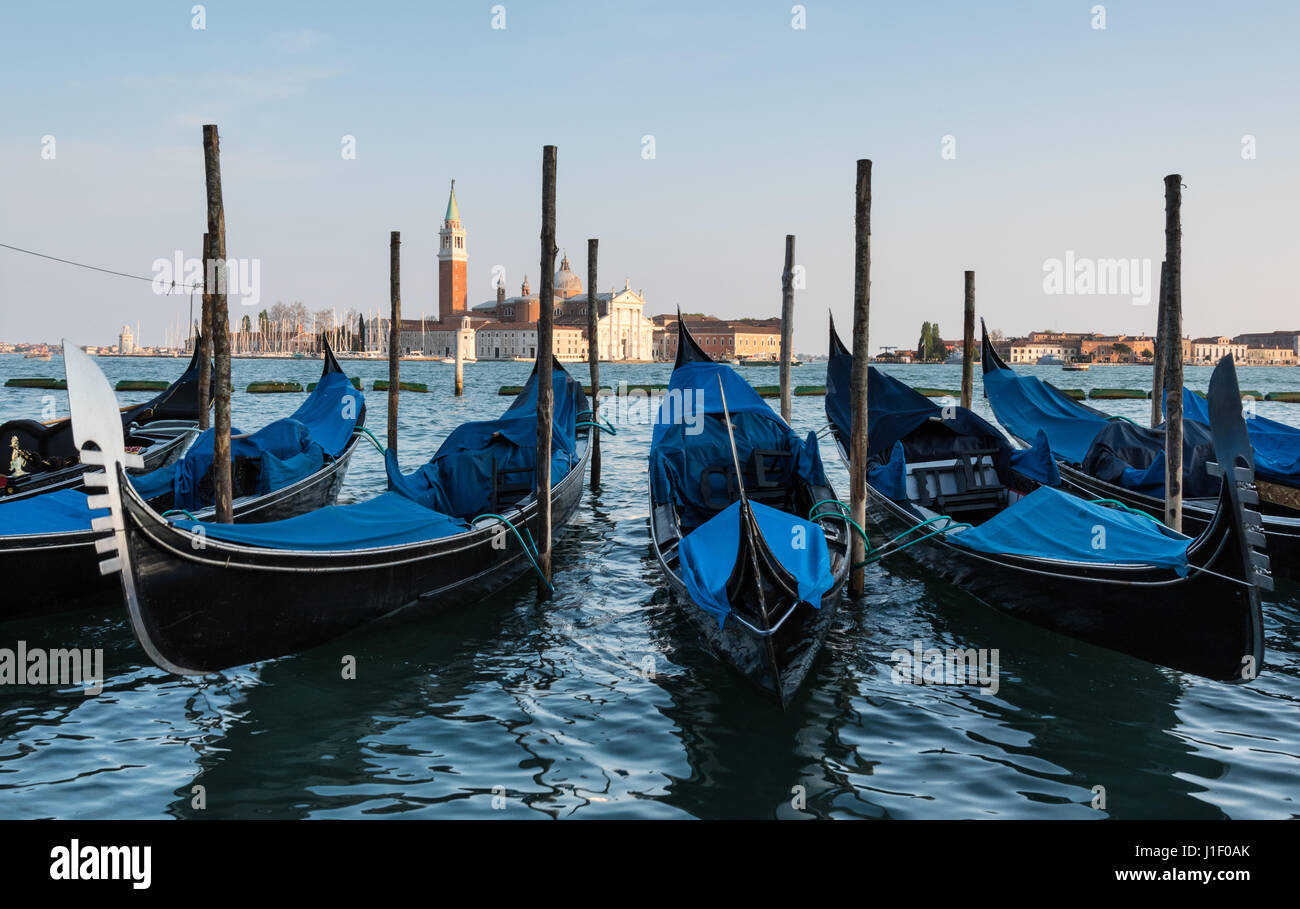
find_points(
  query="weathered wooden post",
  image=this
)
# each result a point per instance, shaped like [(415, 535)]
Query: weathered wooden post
[(216, 267), (1173, 378), (545, 389), (1160, 353), (787, 325), (593, 358), (205, 339), (460, 366), (968, 345), (858, 376), (394, 332)]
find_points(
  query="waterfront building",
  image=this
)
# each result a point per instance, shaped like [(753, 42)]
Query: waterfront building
[(1271, 339), (1211, 350), (758, 339), (126, 341)]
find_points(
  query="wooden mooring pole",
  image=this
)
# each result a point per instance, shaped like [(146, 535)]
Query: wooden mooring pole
[(216, 267), (858, 376), (1161, 353), (460, 366), (1173, 378), (968, 345), (205, 339), (593, 358), (787, 325), (394, 333), (545, 388)]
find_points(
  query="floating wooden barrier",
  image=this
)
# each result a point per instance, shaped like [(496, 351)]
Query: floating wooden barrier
[(809, 391), (1257, 395), (1110, 394), (356, 383), (266, 388), (61, 384), (1077, 394), (1288, 397), (382, 385), (939, 392), (142, 385)]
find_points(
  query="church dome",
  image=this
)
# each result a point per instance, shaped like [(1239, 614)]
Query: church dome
[(567, 284)]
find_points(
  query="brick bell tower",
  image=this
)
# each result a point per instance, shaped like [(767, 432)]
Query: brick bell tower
[(453, 264)]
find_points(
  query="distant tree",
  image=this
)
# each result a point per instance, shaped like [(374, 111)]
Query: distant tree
[(246, 325), (923, 344), (937, 350)]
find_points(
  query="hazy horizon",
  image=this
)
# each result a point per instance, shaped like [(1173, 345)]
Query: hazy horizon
[(1062, 135)]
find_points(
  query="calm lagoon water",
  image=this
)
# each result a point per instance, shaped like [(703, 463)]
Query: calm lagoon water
[(515, 708)]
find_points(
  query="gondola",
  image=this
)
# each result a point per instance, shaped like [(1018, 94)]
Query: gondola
[(994, 521), (203, 596), (744, 524), (1109, 457), (290, 466), (157, 430)]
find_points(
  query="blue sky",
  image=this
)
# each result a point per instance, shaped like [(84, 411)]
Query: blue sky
[(1063, 133)]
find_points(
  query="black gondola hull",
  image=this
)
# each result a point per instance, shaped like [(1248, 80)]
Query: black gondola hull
[(58, 573), (201, 606), (1206, 624), (796, 644), (1281, 524)]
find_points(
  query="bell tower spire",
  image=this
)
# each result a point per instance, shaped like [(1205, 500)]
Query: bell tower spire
[(453, 263)]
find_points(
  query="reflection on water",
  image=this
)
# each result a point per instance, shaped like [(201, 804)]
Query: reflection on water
[(600, 703)]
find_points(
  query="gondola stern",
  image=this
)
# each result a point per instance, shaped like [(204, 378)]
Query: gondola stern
[(837, 348), (989, 359), (688, 350)]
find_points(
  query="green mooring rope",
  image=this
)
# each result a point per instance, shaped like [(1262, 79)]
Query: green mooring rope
[(529, 546), (875, 554), (372, 438)]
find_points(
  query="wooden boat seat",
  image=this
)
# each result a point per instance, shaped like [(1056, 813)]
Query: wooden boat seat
[(510, 484), (963, 484), (767, 479)]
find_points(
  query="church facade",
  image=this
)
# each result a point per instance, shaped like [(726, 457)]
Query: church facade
[(623, 333)]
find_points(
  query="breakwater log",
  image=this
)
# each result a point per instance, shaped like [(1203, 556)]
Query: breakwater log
[(1111, 394), (382, 385), (939, 392), (1288, 397), (266, 388), (61, 384), (356, 383), (142, 385)]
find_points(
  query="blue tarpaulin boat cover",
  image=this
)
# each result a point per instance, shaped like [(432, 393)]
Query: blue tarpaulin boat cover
[(286, 450), (708, 555), (1133, 456), (1026, 404), (458, 479), (1050, 524), (389, 519), (1277, 445), (898, 412), (690, 456), (61, 511)]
